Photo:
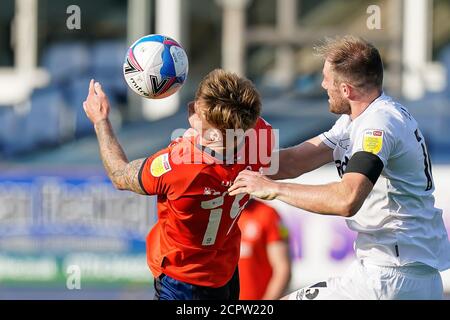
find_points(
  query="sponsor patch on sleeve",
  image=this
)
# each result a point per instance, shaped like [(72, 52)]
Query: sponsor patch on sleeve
[(160, 165), (373, 141)]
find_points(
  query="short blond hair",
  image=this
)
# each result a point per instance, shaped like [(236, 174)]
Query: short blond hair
[(353, 60), (232, 101)]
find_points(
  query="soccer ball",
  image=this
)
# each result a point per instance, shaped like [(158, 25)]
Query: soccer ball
[(155, 66)]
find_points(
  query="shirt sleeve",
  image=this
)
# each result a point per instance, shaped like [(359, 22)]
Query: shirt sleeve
[(153, 171), (269, 143), (170, 171), (332, 136), (260, 143), (275, 230)]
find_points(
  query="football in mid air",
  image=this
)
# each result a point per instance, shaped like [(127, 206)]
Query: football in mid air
[(155, 66)]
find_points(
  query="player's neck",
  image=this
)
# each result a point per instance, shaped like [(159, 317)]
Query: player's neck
[(213, 145), (218, 146), (362, 103)]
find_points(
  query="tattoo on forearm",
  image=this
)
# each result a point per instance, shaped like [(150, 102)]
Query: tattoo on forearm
[(124, 175), (131, 176), (111, 152)]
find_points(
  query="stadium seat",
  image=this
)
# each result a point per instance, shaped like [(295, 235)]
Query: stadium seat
[(14, 136), (49, 121), (4, 110), (66, 60), (444, 57), (433, 119), (76, 92), (107, 62), (43, 121)]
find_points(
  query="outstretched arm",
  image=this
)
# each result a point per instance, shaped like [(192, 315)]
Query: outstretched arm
[(303, 158), (123, 174), (342, 198)]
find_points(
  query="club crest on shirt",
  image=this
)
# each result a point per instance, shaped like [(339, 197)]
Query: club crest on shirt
[(160, 165), (344, 143), (373, 141)]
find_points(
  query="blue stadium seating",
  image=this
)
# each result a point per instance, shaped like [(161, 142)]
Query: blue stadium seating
[(65, 61), (43, 121), (107, 62), (75, 93), (49, 121), (72, 65), (444, 57), (14, 136), (432, 113)]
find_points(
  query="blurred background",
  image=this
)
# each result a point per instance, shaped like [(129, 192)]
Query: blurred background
[(57, 208)]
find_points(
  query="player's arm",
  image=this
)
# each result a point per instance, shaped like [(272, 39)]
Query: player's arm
[(278, 255), (342, 198), (123, 174), (303, 158)]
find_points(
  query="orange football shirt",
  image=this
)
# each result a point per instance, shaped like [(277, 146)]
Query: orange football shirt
[(196, 238), (260, 225)]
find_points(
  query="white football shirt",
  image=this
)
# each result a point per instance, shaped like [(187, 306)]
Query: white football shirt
[(398, 223)]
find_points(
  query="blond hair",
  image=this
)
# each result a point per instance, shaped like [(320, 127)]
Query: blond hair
[(232, 101)]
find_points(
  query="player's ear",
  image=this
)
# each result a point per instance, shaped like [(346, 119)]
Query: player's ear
[(213, 134), (346, 90)]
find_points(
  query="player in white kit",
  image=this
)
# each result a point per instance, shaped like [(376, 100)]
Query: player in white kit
[(386, 190)]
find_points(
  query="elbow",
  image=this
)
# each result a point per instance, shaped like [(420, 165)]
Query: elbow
[(284, 267), (348, 212), (350, 208), (117, 185)]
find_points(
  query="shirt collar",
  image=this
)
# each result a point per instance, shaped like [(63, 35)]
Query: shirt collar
[(381, 97)]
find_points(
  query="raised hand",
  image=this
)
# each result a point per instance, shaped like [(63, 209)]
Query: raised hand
[(96, 104)]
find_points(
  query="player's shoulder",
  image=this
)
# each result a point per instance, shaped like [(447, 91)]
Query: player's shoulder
[(262, 123), (342, 122), (176, 167), (386, 115), (386, 109), (177, 159)]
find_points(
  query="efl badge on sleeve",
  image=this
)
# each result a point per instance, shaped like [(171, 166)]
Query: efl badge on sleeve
[(160, 165), (373, 141)]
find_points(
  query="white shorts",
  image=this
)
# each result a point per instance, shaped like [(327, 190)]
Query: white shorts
[(371, 282)]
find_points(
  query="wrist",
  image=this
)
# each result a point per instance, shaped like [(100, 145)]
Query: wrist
[(274, 190), (277, 189), (100, 123)]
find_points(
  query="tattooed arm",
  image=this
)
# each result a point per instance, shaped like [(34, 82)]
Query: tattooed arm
[(123, 174)]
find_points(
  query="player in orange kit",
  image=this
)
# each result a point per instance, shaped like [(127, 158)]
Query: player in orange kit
[(264, 247), (193, 249)]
